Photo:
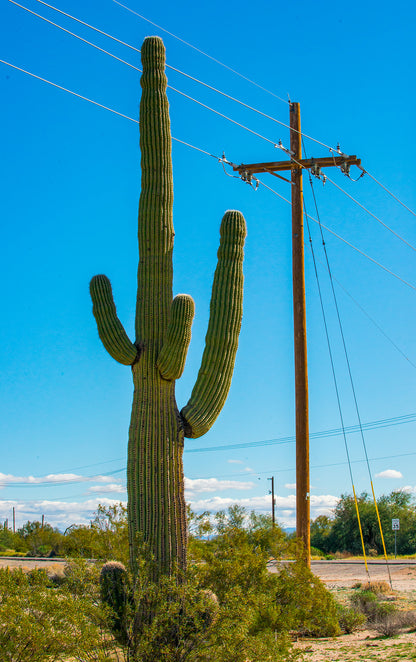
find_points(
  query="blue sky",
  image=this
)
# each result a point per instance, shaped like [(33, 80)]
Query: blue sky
[(70, 186)]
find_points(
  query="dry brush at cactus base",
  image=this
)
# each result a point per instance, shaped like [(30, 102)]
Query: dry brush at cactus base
[(155, 481)]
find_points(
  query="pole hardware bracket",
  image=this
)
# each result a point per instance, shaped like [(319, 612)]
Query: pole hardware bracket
[(345, 168), (316, 170)]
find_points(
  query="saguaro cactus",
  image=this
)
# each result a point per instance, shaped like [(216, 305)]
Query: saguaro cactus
[(155, 482)]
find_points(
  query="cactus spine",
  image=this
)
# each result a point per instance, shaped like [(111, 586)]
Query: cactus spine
[(155, 482)]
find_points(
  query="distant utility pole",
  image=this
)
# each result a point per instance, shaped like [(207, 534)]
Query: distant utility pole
[(296, 165), (273, 502)]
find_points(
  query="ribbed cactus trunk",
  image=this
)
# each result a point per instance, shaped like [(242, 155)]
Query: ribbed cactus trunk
[(155, 481)]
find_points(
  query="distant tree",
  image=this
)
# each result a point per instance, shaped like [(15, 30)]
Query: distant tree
[(341, 532), (320, 530), (40, 540), (106, 538)]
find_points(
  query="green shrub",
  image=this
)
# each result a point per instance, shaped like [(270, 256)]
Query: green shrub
[(115, 592), (171, 617), (349, 619), (369, 604), (305, 604), (40, 622)]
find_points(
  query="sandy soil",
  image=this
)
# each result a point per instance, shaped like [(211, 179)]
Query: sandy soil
[(52, 566), (365, 645)]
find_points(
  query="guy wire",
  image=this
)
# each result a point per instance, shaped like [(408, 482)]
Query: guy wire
[(336, 391), (351, 381)]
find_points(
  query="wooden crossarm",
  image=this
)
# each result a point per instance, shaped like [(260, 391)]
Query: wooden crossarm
[(278, 166)]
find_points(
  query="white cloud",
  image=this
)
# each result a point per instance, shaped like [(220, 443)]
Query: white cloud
[(235, 461), (62, 514), (389, 473), (9, 479), (112, 487), (290, 486), (213, 485), (285, 506), (409, 489)]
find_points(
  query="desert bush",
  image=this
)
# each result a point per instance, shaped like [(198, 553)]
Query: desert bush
[(105, 539), (40, 622), (292, 599), (377, 587), (388, 624), (304, 603), (369, 604), (116, 594), (40, 540), (223, 609), (349, 619), (80, 579)]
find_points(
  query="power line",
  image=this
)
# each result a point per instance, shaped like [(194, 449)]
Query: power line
[(183, 73), (100, 105), (324, 434), (199, 50), (315, 466), (364, 171), (260, 473), (131, 119), (374, 322), (346, 353), (389, 271), (388, 191), (411, 418), (369, 212), (174, 89)]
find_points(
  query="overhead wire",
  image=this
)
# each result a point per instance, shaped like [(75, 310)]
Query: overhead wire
[(203, 151), (388, 191), (174, 89), (364, 171), (323, 434), (337, 393), (369, 212), (389, 271), (355, 399), (335, 380), (268, 471), (273, 142), (373, 321), (183, 73), (100, 105), (199, 50)]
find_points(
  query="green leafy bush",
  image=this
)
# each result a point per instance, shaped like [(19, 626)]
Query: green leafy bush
[(304, 603), (105, 539), (349, 618), (369, 604), (40, 622), (293, 599)]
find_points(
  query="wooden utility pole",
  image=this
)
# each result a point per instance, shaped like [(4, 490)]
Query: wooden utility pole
[(299, 325), (273, 503), (296, 165)]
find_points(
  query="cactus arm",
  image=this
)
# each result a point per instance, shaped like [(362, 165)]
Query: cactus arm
[(226, 309), (110, 329), (171, 360)]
